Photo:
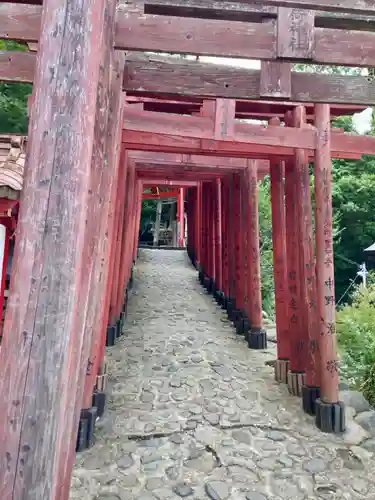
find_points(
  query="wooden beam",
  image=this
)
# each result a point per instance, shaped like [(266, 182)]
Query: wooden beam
[(44, 326), (17, 66), (160, 196), (183, 168), (138, 31), (246, 137), (202, 128), (187, 159), (236, 11), (167, 75), (364, 7), (163, 182)]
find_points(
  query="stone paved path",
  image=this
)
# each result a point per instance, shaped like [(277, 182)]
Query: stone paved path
[(193, 413)]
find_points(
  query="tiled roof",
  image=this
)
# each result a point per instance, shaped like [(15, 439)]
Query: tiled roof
[(12, 162)]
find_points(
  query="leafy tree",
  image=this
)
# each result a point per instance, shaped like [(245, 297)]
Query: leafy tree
[(13, 99)]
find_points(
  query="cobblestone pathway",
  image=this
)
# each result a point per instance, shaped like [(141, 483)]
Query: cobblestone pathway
[(193, 413)]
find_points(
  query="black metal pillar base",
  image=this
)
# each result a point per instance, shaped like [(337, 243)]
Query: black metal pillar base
[(257, 339), (309, 397), (98, 401), (200, 274), (330, 417), (213, 287), (86, 427), (224, 302), (131, 279), (111, 336), (246, 328), (281, 370), (242, 323), (230, 307), (296, 380), (122, 319)]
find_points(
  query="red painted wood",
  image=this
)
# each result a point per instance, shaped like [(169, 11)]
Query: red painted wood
[(138, 209), (254, 248), (118, 243), (126, 255), (115, 211), (239, 297), (280, 258), (198, 227), (212, 234), (297, 348), (218, 236), (41, 354), (307, 260), (231, 240), (324, 258), (169, 143), (246, 275), (224, 234), (4, 267), (163, 194)]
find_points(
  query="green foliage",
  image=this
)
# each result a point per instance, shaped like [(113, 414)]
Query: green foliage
[(13, 99), (353, 207), (356, 336), (148, 212), (265, 229)]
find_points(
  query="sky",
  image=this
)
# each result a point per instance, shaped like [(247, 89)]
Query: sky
[(362, 121)]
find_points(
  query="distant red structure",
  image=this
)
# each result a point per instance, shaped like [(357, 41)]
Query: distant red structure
[(102, 127)]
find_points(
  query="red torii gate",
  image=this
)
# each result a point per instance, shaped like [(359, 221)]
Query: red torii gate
[(71, 132)]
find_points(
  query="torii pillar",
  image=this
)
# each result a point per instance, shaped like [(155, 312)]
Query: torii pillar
[(330, 412)]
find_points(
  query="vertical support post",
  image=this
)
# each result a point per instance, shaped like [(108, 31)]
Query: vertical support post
[(238, 313), (218, 242), (330, 413), (225, 240), (117, 244), (212, 220), (137, 219), (198, 227), (181, 217), (277, 170), (231, 302), (311, 389), (45, 346), (298, 338), (280, 269), (257, 336), (157, 223), (4, 247), (246, 274)]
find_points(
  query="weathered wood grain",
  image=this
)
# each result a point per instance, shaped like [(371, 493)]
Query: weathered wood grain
[(275, 80), (195, 36), (295, 34), (43, 325), (137, 31), (189, 127), (347, 6), (102, 178), (168, 143), (162, 75), (235, 11), (17, 66), (166, 75)]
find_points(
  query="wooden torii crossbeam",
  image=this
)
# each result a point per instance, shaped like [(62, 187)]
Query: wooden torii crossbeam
[(155, 75), (73, 242), (165, 132), (268, 41)]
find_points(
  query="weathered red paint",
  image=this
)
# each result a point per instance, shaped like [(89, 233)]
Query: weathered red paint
[(324, 257)]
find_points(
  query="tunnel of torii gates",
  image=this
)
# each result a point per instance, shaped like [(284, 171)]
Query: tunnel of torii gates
[(103, 124)]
